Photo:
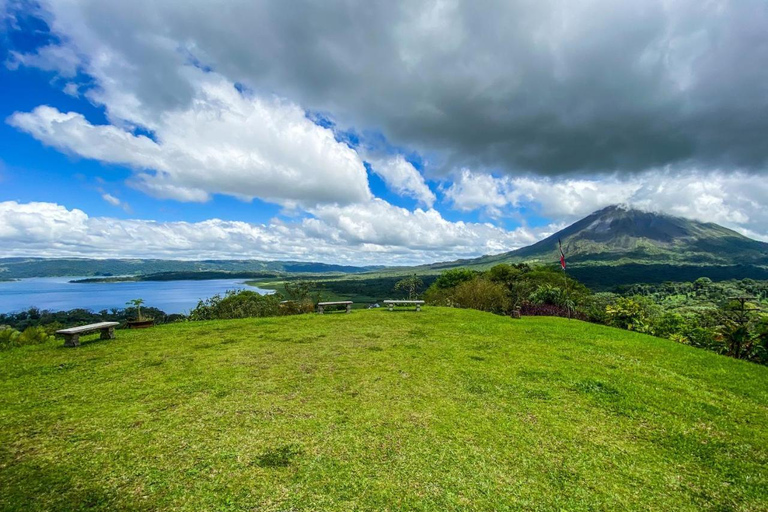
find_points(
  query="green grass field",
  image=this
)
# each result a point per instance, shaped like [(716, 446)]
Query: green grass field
[(439, 410)]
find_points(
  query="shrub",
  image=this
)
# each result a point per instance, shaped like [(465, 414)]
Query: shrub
[(482, 294), (548, 294), (634, 314), (454, 277), (10, 338), (237, 304), (528, 309), (297, 307)]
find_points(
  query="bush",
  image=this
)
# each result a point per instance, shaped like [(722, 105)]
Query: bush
[(10, 338), (482, 294), (297, 307), (548, 294), (634, 314), (237, 304), (454, 277), (529, 309)]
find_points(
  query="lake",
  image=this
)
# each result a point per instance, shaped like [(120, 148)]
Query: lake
[(57, 293)]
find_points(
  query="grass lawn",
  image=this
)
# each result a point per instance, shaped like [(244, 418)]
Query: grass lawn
[(439, 410)]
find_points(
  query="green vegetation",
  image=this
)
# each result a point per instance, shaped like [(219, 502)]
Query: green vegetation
[(237, 304), (410, 285), (363, 289), (441, 410), (136, 303), (703, 314), (11, 338), (51, 321), (179, 276), (50, 267)]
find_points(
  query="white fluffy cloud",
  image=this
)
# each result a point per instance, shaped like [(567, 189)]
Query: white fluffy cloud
[(111, 199), (402, 177), (378, 233), (735, 200), (471, 191), (52, 57), (224, 142)]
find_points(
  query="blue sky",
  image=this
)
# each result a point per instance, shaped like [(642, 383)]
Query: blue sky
[(187, 132)]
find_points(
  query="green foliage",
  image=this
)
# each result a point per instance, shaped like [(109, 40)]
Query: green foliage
[(136, 303), (51, 321), (508, 287), (482, 294), (163, 270), (301, 290), (548, 294), (10, 338), (454, 277), (237, 304), (410, 285), (632, 313)]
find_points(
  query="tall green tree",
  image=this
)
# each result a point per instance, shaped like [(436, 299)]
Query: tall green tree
[(411, 285)]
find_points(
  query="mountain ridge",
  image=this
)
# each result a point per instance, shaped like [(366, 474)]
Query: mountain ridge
[(621, 236)]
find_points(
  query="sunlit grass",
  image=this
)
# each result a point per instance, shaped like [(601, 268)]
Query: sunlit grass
[(439, 410)]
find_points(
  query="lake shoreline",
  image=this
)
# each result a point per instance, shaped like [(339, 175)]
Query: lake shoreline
[(61, 294)]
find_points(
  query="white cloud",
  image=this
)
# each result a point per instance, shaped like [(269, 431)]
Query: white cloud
[(403, 178), (61, 59), (473, 191), (735, 200), (71, 89), (371, 233), (111, 199), (224, 142)]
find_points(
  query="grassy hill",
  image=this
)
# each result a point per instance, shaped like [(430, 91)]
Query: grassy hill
[(440, 410)]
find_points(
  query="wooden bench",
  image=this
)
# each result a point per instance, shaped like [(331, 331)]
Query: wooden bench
[(392, 303), (72, 335), (322, 305)]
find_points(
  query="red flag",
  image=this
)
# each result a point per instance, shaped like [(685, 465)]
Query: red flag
[(562, 254)]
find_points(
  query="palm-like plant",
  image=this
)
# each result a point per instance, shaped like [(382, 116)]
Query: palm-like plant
[(137, 304)]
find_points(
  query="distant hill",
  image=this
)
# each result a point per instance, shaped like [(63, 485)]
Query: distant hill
[(640, 246), (15, 268)]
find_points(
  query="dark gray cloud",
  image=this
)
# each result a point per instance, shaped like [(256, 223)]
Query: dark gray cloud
[(551, 86)]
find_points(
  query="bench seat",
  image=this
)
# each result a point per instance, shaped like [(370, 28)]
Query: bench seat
[(72, 334), (392, 303), (322, 305)]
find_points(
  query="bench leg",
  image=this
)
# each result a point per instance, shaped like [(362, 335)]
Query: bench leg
[(391, 306), (349, 308), (319, 310), (418, 307), (71, 340), (108, 333)]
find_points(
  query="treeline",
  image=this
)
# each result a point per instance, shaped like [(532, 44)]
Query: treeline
[(180, 276), (723, 317), (51, 321), (608, 277)]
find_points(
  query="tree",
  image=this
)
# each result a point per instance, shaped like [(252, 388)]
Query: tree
[(300, 289), (137, 304), (411, 285), (454, 277), (741, 326)]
